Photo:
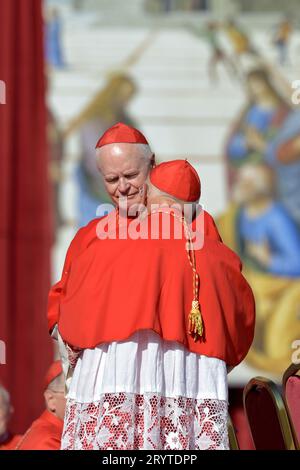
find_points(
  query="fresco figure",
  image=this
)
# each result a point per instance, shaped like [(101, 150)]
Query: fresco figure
[(268, 130), (262, 221), (217, 53), (268, 238), (54, 53), (281, 40), (239, 39)]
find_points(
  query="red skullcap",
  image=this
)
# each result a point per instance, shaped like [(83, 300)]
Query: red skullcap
[(177, 178), (54, 371), (121, 133)]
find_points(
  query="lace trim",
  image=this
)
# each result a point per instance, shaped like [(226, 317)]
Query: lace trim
[(125, 421)]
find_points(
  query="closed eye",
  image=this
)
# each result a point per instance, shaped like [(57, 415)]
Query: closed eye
[(131, 176), (112, 180)]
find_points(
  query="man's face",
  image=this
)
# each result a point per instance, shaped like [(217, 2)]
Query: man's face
[(4, 416), (55, 397), (56, 402), (124, 170), (60, 404)]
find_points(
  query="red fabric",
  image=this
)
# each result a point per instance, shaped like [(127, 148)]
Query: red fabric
[(44, 434), (54, 371), (11, 442), (210, 228), (292, 395), (177, 178), (121, 133), (24, 210), (81, 241), (152, 288)]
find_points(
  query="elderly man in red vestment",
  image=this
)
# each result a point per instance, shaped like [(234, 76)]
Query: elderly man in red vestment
[(45, 432), (124, 159), (149, 375), (8, 441)]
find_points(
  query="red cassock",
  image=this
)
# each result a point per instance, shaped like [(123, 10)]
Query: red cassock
[(113, 288), (44, 434), (11, 442)]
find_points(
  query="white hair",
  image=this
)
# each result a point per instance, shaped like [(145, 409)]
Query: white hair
[(157, 192), (58, 383), (189, 208), (146, 151)]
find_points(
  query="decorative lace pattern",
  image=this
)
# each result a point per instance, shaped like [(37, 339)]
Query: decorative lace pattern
[(125, 421)]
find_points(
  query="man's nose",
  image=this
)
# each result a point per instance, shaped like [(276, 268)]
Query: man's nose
[(123, 186)]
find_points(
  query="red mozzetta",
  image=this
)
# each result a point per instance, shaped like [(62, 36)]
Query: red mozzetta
[(112, 288)]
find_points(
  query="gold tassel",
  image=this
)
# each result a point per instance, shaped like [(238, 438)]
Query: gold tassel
[(195, 321)]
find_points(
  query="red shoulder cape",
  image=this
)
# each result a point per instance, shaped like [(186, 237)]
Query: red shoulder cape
[(81, 241), (44, 434), (116, 287), (11, 442)]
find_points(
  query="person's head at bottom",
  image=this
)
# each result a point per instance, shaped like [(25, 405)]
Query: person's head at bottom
[(54, 393)]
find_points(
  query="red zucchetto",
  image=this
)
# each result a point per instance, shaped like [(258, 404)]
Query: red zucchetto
[(54, 371), (121, 133), (177, 178)]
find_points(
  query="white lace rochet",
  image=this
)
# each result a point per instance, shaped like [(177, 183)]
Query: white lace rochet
[(124, 421), (146, 393)]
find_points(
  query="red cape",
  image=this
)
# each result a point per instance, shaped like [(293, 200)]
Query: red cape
[(44, 434), (116, 287), (81, 241), (11, 442)]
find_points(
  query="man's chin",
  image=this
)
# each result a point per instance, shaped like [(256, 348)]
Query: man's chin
[(131, 207), (128, 201)]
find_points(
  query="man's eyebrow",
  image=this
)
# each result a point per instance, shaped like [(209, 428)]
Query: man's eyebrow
[(111, 176), (129, 172)]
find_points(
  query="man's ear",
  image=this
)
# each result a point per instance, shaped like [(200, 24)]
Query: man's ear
[(50, 400)]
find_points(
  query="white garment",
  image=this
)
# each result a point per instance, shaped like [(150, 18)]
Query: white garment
[(147, 363), (146, 393), (127, 421)]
